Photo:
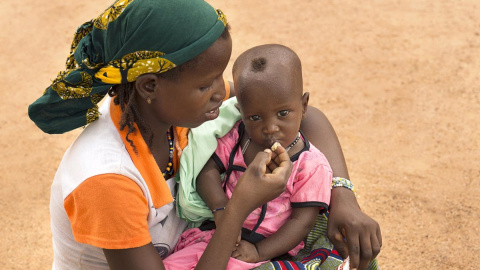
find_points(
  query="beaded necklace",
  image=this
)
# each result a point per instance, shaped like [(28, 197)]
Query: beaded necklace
[(169, 170), (247, 143)]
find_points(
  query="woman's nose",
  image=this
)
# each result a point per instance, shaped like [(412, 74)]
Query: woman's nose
[(220, 91)]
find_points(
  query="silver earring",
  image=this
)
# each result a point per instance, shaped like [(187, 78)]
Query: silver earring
[(149, 101)]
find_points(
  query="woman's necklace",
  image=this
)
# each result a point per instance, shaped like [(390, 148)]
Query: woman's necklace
[(247, 143), (169, 170)]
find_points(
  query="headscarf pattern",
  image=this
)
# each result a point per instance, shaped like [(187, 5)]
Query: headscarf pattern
[(130, 38)]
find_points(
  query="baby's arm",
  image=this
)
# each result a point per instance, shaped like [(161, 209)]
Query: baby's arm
[(286, 238), (209, 187)]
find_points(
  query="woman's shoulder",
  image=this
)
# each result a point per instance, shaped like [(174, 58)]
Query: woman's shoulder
[(99, 149)]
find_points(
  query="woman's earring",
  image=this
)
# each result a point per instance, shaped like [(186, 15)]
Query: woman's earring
[(149, 101)]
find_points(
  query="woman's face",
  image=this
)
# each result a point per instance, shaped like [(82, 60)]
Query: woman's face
[(196, 94)]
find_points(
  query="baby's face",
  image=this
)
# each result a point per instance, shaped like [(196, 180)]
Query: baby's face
[(272, 110)]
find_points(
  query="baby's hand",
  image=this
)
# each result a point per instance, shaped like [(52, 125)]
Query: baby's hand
[(246, 251)]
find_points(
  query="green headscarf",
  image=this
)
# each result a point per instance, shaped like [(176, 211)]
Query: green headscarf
[(131, 38)]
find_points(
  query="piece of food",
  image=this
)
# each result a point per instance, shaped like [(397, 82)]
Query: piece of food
[(274, 146)]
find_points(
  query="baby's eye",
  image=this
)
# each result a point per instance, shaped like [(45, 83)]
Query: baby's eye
[(254, 118), (283, 113)]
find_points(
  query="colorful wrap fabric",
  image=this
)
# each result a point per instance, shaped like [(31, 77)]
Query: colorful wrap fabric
[(131, 38), (319, 253)]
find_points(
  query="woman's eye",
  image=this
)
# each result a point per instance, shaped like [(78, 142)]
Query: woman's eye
[(205, 88), (254, 118), (283, 113)]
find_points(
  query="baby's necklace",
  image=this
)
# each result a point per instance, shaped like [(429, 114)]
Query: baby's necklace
[(169, 170), (247, 143)]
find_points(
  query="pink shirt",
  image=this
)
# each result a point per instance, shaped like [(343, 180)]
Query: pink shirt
[(309, 184)]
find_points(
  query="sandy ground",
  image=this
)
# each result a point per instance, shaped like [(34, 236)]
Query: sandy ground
[(399, 81)]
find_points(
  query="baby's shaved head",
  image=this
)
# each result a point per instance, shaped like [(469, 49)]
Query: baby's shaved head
[(258, 64), (267, 62)]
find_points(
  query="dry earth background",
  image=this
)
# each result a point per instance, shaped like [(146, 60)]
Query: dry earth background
[(398, 79)]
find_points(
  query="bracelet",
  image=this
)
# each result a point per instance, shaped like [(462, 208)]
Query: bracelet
[(343, 182), (218, 209)]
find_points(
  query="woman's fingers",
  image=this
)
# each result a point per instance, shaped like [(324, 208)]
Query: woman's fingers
[(281, 158), (338, 241), (353, 249), (361, 246), (256, 186)]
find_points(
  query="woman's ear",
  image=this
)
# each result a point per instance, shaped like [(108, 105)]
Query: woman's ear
[(305, 98), (146, 85)]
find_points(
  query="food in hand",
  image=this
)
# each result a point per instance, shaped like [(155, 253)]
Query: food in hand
[(274, 146)]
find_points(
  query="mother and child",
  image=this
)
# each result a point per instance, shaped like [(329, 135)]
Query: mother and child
[(269, 89), (161, 63)]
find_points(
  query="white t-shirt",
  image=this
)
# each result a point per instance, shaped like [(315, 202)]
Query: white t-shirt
[(106, 196)]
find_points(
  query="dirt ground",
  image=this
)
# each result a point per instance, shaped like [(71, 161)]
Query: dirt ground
[(399, 80)]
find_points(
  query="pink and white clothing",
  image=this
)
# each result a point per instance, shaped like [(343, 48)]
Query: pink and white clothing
[(308, 186)]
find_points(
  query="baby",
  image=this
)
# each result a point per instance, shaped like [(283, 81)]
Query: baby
[(269, 87)]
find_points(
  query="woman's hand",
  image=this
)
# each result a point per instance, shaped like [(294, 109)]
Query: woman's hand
[(353, 233), (256, 186)]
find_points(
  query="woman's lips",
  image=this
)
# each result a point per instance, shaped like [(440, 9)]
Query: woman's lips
[(213, 113)]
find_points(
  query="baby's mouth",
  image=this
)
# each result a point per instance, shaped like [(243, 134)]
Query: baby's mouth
[(271, 141)]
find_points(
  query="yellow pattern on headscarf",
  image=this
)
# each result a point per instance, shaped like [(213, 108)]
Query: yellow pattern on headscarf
[(133, 65), (221, 17), (70, 90), (92, 114), (81, 32), (111, 14)]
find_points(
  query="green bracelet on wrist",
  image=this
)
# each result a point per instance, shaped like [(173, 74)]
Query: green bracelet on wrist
[(343, 182)]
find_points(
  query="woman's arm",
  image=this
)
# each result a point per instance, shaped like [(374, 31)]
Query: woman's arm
[(320, 132), (254, 188), (346, 221), (141, 258)]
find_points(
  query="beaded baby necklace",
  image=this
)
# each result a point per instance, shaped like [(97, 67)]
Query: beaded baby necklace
[(169, 170), (294, 142), (247, 143)]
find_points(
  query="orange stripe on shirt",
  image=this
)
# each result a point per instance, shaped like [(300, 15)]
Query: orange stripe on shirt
[(143, 160), (109, 211)]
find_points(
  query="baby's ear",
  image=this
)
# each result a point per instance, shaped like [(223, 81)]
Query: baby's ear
[(238, 107), (305, 99)]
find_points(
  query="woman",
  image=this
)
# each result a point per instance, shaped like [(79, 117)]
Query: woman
[(112, 197)]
